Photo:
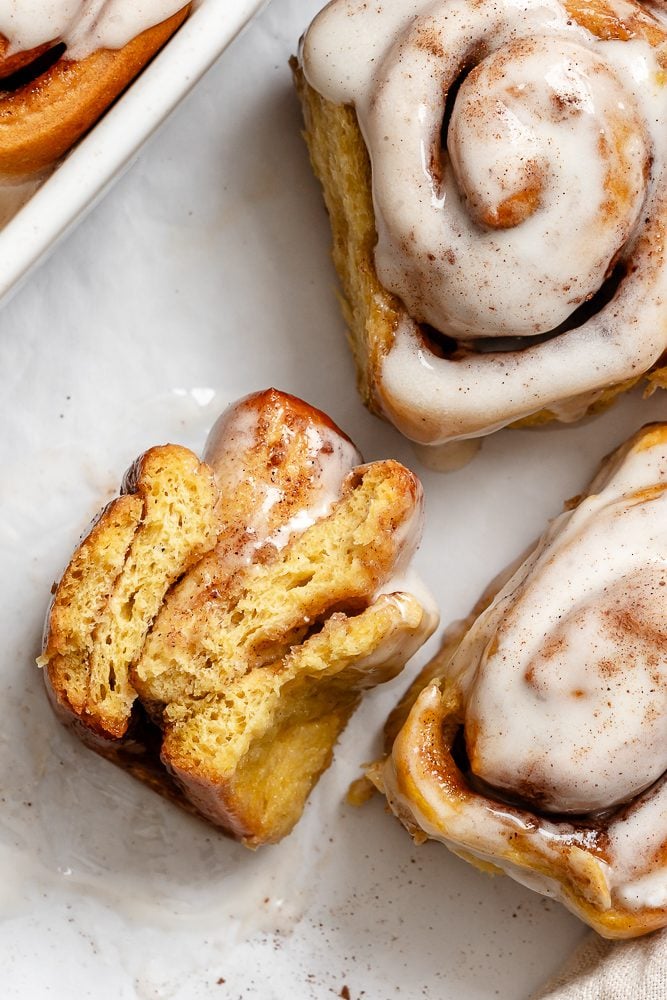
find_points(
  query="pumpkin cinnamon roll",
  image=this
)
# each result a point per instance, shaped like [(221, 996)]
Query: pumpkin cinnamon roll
[(535, 743), (495, 175), (217, 627), (63, 62)]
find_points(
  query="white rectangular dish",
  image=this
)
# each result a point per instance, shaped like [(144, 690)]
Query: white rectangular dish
[(60, 201)]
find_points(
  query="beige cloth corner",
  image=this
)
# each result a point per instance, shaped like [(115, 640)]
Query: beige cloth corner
[(612, 970)]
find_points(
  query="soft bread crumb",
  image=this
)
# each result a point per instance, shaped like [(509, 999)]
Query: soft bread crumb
[(360, 791), (117, 579), (254, 690)]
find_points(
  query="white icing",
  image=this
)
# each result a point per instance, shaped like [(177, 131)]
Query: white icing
[(481, 828), (333, 457), (564, 682), (574, 642), (650, 890), (83, 25), (636, 842), (330, 458), (575, 126)]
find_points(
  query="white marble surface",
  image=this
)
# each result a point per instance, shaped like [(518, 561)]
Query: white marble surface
[(202, 276)]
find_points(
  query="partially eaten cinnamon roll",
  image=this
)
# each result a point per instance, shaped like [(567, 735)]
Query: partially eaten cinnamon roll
[(496, 179), (215, 630), (535, 743)]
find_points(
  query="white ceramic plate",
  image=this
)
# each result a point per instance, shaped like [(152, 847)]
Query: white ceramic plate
[(83, 177), (204, 275)]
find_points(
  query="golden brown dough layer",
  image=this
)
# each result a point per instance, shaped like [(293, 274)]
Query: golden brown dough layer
[(112, 589)]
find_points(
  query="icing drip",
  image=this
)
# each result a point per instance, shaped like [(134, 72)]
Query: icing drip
[(517, 160)]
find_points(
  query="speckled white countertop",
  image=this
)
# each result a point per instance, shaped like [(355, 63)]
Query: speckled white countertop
[(202, 276)]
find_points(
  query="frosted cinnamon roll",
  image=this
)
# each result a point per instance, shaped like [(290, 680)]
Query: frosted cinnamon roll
[(63, 62), (535, 743), (217, 627), (495, 174)]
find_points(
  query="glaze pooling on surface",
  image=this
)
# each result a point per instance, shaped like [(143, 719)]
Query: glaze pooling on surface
[(551, 176), (558, 690), (82, 25)]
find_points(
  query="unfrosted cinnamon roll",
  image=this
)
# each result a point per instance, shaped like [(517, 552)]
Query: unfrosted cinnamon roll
[(495, 174), (535, 743), (217, 627), (63, 62)]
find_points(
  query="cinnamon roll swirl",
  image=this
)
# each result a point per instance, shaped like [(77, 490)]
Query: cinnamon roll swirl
[(535, 743), (495, 173), (63, 62)]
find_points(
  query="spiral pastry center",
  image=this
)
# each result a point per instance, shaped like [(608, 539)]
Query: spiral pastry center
[(519, 177), (531, 201), (543, 136)]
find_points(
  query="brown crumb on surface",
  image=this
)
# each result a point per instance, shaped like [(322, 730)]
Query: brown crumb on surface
[(345, 993), (360, 791)]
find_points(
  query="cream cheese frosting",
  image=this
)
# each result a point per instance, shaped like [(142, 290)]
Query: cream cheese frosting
[(518, 160), (82, 25)]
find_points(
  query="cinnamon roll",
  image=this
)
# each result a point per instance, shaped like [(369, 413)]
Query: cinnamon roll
[(62, 63), (495, 175), (215, 630), (535, 744)]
